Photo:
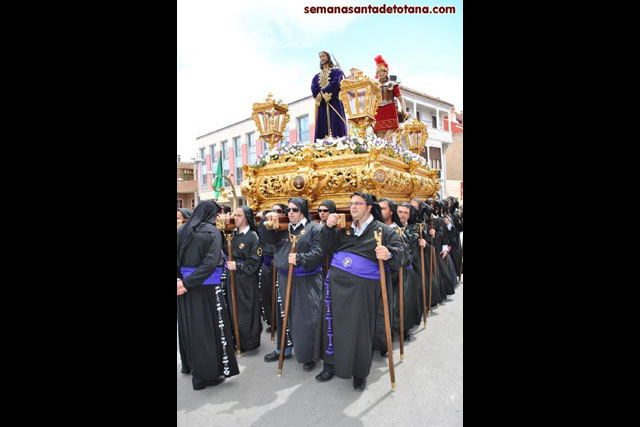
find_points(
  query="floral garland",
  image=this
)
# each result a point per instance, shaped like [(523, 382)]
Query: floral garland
[(355, 144)]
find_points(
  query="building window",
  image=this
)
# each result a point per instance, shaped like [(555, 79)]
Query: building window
[(237, 149), (225, 151), (434, 122), (418, 115), (434, 155), (303, 129), (203, 169), (238, 175), (251, 147), (193, 203), (286, 136), (212, 151), (179, 203)]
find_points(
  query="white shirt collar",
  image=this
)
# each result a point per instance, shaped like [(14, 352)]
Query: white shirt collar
[(363, 226), (303, 222), (244, 230)]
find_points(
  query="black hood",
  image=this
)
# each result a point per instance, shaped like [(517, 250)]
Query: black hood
[(413, 212), (303, 205), (205, 212), (329, 204), (371, 200), (394, 211), (186, 213), (248, 213)]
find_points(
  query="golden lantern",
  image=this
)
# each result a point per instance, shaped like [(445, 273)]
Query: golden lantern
[(271, 120), (360, 98), (416, 135)]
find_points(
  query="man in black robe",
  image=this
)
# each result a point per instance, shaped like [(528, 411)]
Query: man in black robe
[(306, 283), (266, 271), (428, 232), (412, 304), (204, 328), (447, 278), (453, 218), (245, 264), (353, 291), (389, 217), (324, 209)]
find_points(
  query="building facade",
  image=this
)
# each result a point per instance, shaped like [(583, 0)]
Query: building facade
[(187, 185), (240, 143), (454, 158)]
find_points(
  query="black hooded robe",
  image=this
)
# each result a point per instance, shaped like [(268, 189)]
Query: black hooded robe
[(304, 304), (354, 301), (205, 333), (245, 254), (266, 281)]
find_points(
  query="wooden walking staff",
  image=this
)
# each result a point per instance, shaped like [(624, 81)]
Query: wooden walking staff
[(385, 303), (283, 333), (229, 237), (424, 293), (401, 292), (274, 302), (432, 265)]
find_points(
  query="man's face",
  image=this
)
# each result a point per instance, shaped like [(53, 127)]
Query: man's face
[(403, 213), (323, 212), (324, 58), (180, 215), (382, 74), (386, 210), (240, 219), (358, 207), (294, 217)]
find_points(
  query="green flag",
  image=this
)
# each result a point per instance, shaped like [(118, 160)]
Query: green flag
[(218, 182)]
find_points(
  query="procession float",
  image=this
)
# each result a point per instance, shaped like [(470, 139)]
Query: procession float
[(333, 168)]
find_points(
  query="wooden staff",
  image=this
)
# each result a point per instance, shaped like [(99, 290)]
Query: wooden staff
[(385, 303), (283, 333), (424, 291), (229, 237), (432, 262), (274, 301), (401, 291)]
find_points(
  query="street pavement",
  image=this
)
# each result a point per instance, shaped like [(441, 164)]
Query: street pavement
[(428, 386)]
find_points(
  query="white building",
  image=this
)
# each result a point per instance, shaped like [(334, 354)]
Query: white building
[(240, 143)]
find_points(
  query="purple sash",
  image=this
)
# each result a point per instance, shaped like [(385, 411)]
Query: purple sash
[(214, 279), (300, 271), (356, 265), (267, 260)]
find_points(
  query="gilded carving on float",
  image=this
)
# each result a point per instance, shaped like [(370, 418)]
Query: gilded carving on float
[(336, 167)]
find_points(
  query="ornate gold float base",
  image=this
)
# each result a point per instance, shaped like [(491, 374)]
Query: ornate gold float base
[(335, 174)]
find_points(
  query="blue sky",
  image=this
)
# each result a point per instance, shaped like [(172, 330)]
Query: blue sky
[(233, 54)]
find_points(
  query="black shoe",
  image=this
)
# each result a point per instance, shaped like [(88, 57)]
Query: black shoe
[(199, 385), (324, 376), (407, 337), (383, 353), (268, 330), (309, 366), (274, 357), (359, 383), (185, 370)]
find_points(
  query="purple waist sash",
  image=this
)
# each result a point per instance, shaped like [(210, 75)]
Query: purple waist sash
[(267, 260), (356, 265), (214, 279), (300, 271)]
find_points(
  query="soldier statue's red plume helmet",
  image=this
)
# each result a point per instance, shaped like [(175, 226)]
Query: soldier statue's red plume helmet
[(380, 63)]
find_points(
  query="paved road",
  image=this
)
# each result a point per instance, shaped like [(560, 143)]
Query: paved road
[(428, 391)]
